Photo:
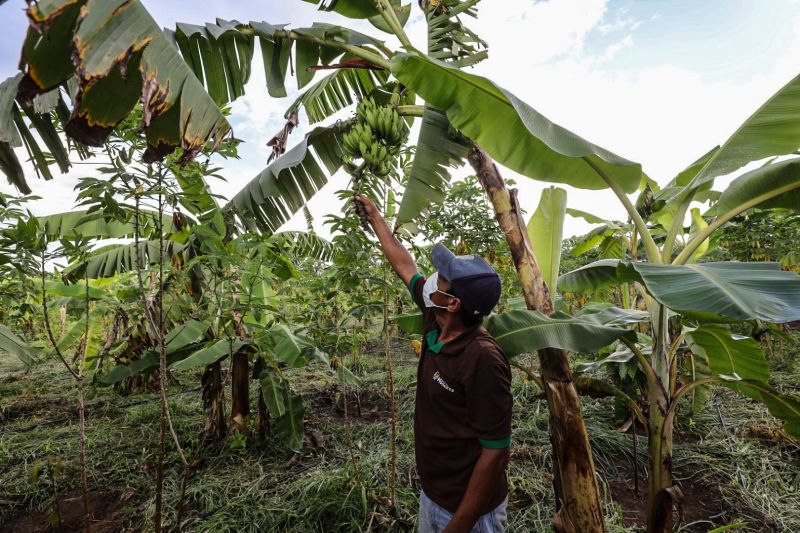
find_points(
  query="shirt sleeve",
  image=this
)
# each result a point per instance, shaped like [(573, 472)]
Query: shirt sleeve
[(489, 400), (415, 288)]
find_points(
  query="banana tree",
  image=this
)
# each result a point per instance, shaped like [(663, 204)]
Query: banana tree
[(707, 294)]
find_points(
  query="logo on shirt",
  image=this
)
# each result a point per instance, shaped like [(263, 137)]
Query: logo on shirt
[(438, 379)]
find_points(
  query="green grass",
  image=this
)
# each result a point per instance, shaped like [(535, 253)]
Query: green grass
[(266, 487)]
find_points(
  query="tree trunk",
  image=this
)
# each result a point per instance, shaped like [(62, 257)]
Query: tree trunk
[(240, 377), (240, 391), (214, 402), (661, 493), (577, 495), (262, 425)]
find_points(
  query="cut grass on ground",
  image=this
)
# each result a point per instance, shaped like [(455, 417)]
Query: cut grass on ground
[(728, 467)]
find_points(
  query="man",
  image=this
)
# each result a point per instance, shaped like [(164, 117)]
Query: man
[(462, 419)]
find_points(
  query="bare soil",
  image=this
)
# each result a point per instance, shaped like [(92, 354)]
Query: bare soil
[(363, 406), (703, 507), (105, 506)]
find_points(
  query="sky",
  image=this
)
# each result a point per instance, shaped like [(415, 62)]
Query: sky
[(658, 82)]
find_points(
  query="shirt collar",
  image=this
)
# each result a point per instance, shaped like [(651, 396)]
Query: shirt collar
[(455, 346)]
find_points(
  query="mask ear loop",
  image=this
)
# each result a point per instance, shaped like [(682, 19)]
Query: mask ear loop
[(445, 293)]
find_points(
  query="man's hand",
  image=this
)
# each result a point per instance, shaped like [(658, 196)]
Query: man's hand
[(369, 207), (398, 257), (489, 468)]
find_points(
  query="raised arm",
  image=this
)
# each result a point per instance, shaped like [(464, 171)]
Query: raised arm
[(395, 253)]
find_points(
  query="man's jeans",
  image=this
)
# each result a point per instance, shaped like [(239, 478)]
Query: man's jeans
[(433, 518)]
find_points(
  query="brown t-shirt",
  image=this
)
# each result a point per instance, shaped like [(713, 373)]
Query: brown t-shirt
[(463, 405)]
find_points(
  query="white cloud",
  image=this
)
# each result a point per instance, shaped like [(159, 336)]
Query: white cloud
[(663, 116), (534, 33), (613, 49)]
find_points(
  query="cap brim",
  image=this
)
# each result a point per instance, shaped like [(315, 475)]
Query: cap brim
[(442, 258)]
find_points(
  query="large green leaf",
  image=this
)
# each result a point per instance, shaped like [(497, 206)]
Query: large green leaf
[(707, 291), (607, 314), (591, 240), (9, 136), (288, 346), (11, 343), (77, 290), (732, 290), (93, 225), (731, 355), (108, 261), (8, 93), (512, 132), (774, 129), (184, 334), (120, 57), (71, 336), (300, 244), (522, 331), (178, 344), (284, 187), (210, 354), (220, 55), (545, 230), (439, 148), (772, 186), (590, 277), (781, 406), (665, 207), (275, 390), (290, 425)]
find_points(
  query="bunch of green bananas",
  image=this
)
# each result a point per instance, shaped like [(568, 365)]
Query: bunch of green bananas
[(376, 137)]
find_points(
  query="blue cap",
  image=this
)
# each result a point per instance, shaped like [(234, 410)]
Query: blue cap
[(472, 279)]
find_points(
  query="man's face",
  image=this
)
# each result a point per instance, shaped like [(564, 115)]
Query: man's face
[(438, 298)]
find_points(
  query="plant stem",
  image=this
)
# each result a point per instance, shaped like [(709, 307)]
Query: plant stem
[(162, 367), (347, 433), (82, 411), (388, 14), (47, 324), (643, 362), (411, 110), (355, 50), (653, 254), (390, 383), (686, 388)]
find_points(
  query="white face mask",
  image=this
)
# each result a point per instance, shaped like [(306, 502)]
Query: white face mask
[(431, 286)]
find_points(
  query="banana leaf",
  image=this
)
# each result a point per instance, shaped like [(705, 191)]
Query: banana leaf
[(525, 331), (513, 133), (11, 343)]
